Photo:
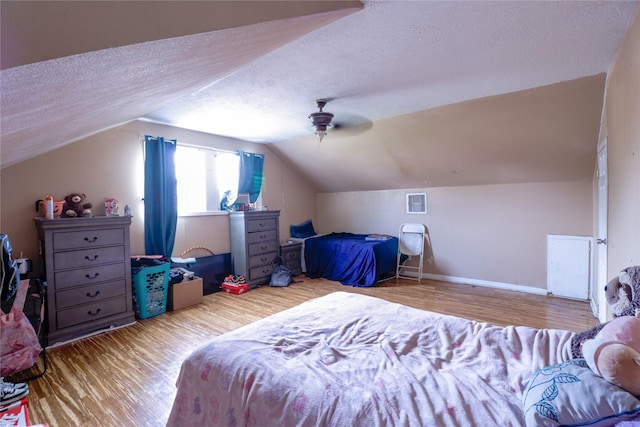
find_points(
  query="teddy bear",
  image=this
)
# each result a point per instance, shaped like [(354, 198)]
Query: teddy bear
[(623, 297), (614, 353), (623, 292), (73, 206)]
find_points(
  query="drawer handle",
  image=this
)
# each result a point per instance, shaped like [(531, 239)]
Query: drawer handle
[(263, 236), (90, 313), (91, 277), (91, 240), (94, 295), (262, 224), (95, 257), (266, 270), (263, 259), (264, 248)]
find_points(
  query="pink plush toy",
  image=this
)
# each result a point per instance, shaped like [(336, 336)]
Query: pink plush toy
[(614, 353)]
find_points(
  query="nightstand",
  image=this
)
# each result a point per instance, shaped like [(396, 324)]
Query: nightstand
[(291, 253)]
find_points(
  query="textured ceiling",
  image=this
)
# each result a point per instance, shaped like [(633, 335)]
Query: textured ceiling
[(257, 79), (399, 57), (50, 103), (545, 134)]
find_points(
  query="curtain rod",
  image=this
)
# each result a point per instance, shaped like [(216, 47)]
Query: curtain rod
[(200, 147), (217, 149)]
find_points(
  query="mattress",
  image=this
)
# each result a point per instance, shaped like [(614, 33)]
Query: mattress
[(349, 359)]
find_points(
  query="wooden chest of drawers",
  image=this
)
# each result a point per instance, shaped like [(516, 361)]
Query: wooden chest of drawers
[(87, 264), (255, 242), (291, 253)]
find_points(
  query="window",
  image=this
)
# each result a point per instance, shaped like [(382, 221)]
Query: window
[(204, 177), (416, 203)]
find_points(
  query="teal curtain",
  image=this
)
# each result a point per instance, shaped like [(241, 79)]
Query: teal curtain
[(250, 174), (160, 196)]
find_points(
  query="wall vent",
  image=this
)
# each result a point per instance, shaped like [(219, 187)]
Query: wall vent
[(416, 203)]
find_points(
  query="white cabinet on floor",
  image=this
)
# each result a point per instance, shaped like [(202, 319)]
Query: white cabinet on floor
[(569, 266)]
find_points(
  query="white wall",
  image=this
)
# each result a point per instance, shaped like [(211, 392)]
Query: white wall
[(492, 233), (622, 106), (621, 127)]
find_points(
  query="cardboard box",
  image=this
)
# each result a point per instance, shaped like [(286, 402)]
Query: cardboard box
[(185, 294), (235, 288)]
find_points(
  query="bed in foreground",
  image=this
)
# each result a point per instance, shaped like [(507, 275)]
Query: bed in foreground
[(349, 359)]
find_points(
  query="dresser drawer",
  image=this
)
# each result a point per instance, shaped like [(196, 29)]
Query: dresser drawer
[(261, 224), (292, 265), (88, 257), (291, 256), (90, 294), (90, 312), (89, 275), (263, 247), (87, 238), (262, 259), (262, 236), (263, 272)]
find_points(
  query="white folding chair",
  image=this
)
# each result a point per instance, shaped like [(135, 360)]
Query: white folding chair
[(411, 243)]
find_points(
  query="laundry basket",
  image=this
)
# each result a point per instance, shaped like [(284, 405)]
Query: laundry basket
[(150, 288)]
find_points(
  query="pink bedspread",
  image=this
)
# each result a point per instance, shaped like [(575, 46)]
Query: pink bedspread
[(347, 359)]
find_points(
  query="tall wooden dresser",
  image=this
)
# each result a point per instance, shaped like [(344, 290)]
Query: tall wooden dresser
[(255, 242), (87, 264)]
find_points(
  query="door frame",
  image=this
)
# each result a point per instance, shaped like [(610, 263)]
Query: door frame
[(601, 263)]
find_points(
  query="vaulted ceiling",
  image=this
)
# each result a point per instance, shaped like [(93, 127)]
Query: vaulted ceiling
[(423, 93)]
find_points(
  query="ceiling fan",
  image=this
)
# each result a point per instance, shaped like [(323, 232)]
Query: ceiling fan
[(321, 120)]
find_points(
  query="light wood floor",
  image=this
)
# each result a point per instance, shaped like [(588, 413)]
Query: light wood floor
[(126, 377)]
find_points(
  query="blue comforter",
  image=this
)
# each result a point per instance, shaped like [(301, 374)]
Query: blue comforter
[(349, 258)]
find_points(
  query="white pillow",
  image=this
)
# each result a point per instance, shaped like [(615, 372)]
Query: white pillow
[(571, 394)]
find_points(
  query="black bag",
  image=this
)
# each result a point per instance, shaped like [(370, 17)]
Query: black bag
[(281, 275), (9, 277)]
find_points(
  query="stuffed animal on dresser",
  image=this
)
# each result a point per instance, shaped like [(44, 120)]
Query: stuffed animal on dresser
[(74, 206)]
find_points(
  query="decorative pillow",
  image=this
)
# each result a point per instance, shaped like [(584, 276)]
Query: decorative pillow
[(571, 394), (303, 230)]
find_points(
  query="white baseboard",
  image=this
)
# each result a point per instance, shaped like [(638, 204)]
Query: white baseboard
[(486, 283), (99, 331)]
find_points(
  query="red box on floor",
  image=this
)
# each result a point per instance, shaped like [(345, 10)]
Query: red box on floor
[(235, 288), (15, 414)]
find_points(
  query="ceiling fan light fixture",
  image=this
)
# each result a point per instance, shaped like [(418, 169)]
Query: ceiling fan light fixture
[(321, 120), (321, 134)]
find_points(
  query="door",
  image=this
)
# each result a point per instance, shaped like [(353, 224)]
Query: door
[(569, 266), (601, 236)]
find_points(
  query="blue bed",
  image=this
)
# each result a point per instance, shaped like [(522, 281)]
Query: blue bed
[(350, 259)]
